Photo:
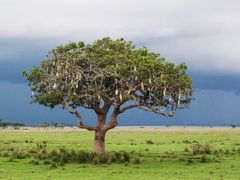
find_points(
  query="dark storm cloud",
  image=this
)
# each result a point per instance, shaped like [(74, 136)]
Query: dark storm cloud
[(203, 33)]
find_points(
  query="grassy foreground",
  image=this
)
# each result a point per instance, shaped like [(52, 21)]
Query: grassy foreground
[(163, 155)]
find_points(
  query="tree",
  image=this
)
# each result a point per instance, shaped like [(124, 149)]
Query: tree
[(109, 75)]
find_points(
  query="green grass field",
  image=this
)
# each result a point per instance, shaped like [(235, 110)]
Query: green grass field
[(168, 156)]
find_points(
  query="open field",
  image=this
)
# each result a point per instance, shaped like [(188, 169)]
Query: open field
[(165, 153)]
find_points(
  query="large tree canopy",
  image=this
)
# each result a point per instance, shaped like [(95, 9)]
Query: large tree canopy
[(109, 73)]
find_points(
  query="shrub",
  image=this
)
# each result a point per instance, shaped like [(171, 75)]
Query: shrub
[(113, 158), (126, 157), (53, 153), (186, 149), (226, 152), (36, 163), (56, 159), (136, 161), (149, 142), (54, 165), (46, 162), (186, 142), (11, 159), (203, 159), (215, 152), (104, 158), (207, 149), (64, 159), (82, 157), (201, 149), (19, 154), (96, 160)]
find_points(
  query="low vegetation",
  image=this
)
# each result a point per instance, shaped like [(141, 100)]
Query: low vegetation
[(61, 156), (49, 154)]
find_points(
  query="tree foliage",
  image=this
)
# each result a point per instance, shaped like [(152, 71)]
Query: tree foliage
[(109, 73)]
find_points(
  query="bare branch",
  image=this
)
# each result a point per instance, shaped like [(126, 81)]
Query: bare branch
[(72, 111), (79, 117), (165, 114), (113, 122), (90, 128), (97, 109), (106, 107), (157, 111), (128, 107)]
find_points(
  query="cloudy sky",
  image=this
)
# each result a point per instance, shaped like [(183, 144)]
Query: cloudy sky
[(204, 34)]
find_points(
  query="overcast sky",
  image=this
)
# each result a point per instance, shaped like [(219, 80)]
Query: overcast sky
[(203, 33)]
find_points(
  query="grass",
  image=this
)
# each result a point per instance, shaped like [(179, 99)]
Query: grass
[(160, 155)]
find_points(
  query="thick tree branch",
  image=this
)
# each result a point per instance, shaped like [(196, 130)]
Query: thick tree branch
[(165, 114), (128, 107), (90, 128), (113, 122), (97, 109), (106, 107), (79, 118)]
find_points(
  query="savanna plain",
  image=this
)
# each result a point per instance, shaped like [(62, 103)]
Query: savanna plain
[(132, 153)]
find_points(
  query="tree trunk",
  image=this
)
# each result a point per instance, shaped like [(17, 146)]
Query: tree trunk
[(99, 142), (101, 128)]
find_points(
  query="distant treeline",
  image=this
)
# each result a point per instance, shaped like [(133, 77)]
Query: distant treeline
[(3, 125), (56, 125)]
